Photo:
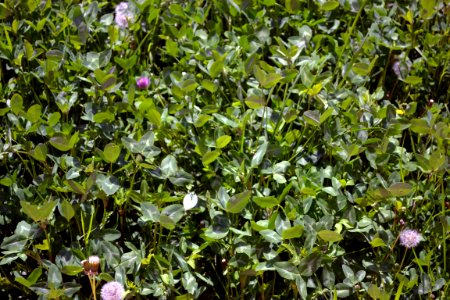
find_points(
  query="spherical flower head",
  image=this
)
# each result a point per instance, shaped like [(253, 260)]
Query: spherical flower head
[(112, 290), (143, 82), (410, 238), (123, 15)]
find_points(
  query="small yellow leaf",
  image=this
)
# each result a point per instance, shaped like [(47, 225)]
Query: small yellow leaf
[(44, 246)]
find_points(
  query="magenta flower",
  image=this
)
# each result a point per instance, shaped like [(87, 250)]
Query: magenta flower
[(123, 15), (143, 82), (410, 238), (112, 290)]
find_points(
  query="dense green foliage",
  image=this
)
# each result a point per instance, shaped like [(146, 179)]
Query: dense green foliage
[(312, 133)]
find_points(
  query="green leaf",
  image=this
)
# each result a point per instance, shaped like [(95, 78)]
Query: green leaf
[(154, 116), (292, 6), (66, 210), (216, 68), (104, 116), (172, 48), (362, 69), (329, 236), (266, 202), (150, 212), (374, 291), (400, 189), (54, 118), (111, 152), (16, 103), (238, 202), (28, 49), (209, 85), (174, 212), (72, 270), (293, 232), (309, 265), (169, 166), (219, 228), (222, 141), (38, 212), (427, 9), (201, 120), (271, 236), (413, 80), (210, 157), (23, 281), (54, 277), (254, 101), (6, 181), (126, 63), (109, 184), (259, 155), (315, 89), (76, 187), (420, 126), (40, 152), (271, 80), (108, 82), (4, 11), (330, 5), (312, 117), (61, 143), (34, 276), (287, 270), (189, 85), (326, 114), (377, 242)]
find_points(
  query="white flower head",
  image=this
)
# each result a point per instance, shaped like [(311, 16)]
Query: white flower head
[(190, 201)]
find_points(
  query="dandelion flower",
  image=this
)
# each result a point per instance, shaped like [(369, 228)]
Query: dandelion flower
[(143, 82), (410, 238), (123, 15), (190, 201), (112, 290)]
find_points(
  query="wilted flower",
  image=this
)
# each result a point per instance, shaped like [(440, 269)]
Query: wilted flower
[(112, 290), (91, 265), (190, 201), (123, 15), (410, 238), (143, 82)]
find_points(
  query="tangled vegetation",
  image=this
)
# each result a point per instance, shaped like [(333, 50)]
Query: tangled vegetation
[(224, 149)]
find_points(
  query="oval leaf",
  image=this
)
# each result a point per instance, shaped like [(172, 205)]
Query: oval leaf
[(329, 236), (238, 202)]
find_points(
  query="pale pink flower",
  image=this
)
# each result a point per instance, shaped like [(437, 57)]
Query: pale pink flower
[(112, 290), (410, 238), (123, 15)]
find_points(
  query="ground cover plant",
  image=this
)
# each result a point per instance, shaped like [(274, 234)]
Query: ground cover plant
[(236, 149)]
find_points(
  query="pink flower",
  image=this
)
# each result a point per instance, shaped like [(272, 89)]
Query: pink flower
[(112, 290), (410, 238), (143, 82), (123, 15)]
